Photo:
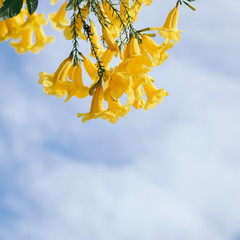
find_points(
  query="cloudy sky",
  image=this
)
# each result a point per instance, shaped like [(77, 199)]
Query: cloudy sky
[(169, 173)]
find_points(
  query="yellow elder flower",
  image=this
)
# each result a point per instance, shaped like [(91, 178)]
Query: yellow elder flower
[(157, 52), (97, 110), (41, 40), (33, 24), (115, 26), (26, 42), (147, 2), (94, 37), (134, 62), (57, 83), (67, 32), (110, 40), (124, 5), (1, 3), (11, 28), (3, 31), (167, 44), (154, 95), (115, 110), (53, 2), (116, 85), (134, 11), (106, 58), (138, 104), (77, 88), (59, 20), (169, 29), (90, 68)]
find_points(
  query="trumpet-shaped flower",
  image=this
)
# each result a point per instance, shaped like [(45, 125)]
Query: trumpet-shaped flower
[(67, 32), (134, 62), (53, 2), (124, 7), (97, 110), (167, 44), (154, 95), (3, 31), (157, 52), (77, 88), (59, 20), (116, 25), (41, 40), (115, 110), (57, 83), (25, 44), (110, 40), (138, 104), (94, 38), (90, 68), (132, 49), (33, 24), (169, 29), (106, 58), (116, 85), (11, 28)]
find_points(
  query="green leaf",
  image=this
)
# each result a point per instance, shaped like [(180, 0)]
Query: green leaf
[(190, 6), (32, 6), (10, 8), (70, 5)]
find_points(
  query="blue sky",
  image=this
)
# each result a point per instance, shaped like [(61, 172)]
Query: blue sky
[(169, 173)]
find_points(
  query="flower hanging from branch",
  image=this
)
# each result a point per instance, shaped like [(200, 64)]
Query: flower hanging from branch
[(134, 49)]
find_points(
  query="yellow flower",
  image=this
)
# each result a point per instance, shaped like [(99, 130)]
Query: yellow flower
[(132, 49), (110, 40), (94, 37), (1, 3), (33, 23), (138, 104), (67, 32), (115, 111), (116, 85), (41, 40), (90, 68), (26, 42), (106, 58), (154, 95), (167, 44), (124, 5), (11, 28), (147, 2), (115, 26), (97, 110), (3, 31), (134, 11), (169, 30), (157, 52), (77, 88), (135, 65), (152, 48), (53, 2), (59, 20), (57, 83), (134, 62)]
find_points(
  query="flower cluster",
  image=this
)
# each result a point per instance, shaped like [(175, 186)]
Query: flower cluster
[(23, 27), (137, 52)]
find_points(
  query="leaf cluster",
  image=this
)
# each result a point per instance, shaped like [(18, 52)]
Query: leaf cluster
[(12, 8)]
